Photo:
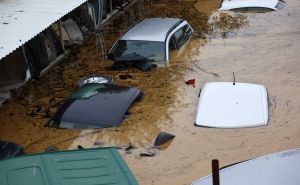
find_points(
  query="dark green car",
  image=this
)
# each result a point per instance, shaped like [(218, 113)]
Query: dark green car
[(95, 106)]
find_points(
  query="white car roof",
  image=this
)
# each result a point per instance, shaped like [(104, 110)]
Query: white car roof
[(233, 4), (152, 29), (224, 105), (274, 169)]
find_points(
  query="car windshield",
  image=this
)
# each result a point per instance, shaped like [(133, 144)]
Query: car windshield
[(149, 50)]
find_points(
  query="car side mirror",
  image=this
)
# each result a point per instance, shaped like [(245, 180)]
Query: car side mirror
[(110, 56)]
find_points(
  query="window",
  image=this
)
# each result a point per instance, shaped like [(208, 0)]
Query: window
[(172, 43), (182, 35), (139, 49)]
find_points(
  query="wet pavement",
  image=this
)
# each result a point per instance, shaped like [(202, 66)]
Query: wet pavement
[(260, 48)]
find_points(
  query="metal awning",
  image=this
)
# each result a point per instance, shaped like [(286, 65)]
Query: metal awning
[(21, 20)]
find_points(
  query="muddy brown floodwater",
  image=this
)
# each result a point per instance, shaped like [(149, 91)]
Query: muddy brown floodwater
[(260, 48)]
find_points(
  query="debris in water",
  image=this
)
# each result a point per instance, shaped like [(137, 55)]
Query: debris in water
[(190, 82), (129, 148), (147, 154), (51, 149), (95, 79), (99, 143), (125, 77), (79, 147), (162, 138)]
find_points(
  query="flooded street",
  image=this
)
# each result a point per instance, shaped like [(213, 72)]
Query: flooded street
[(260, 48)]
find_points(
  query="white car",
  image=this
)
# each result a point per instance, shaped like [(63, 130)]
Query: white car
[(232, 105), (248, 5), (150, 41)]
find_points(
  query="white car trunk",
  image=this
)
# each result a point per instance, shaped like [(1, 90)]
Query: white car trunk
[(224, 105)]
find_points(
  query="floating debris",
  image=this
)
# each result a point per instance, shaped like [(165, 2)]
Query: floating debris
[(79, 147), (190, 82), (147, 154), (96, 79), (51, 149), (129, 148), (162, 138)]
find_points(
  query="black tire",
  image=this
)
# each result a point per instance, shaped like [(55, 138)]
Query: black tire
[(91, 80)]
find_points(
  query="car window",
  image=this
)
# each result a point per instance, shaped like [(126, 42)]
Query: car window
[(172, 44), (179, 34), (139, 49), (182, 35)]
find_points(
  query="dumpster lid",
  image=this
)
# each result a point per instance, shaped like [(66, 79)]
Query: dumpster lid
[(74, 167)]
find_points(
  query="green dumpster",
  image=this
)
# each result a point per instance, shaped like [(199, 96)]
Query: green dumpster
[(100, 166)]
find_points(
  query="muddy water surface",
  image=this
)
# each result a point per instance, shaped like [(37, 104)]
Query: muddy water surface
[(260, 48)]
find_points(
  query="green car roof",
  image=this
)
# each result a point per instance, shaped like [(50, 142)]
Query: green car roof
[(101, 166)]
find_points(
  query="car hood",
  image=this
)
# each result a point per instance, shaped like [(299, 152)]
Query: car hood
[(95, 106)]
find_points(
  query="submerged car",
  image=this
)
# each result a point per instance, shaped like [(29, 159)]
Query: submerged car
[(273, 169), (95, 106), (149, 41), (252, 5), (232, 105)]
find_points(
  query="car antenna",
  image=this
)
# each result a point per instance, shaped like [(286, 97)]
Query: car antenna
[(215, 172), (233, 78)]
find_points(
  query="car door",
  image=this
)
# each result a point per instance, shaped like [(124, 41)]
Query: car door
[(177, 37)]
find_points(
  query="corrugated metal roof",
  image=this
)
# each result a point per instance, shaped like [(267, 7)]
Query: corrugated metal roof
[(21, 20), (77, 167)]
